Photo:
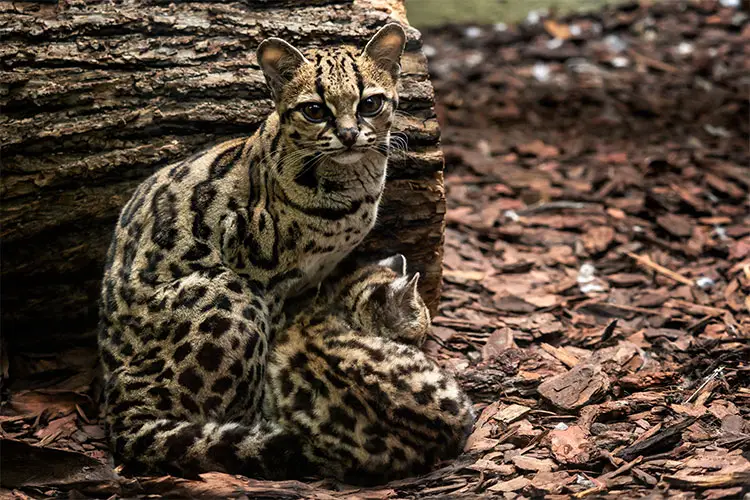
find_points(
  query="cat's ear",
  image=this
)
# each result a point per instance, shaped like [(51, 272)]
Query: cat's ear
[(413, 284), (412, 287), (279, 61), (386, 47), (396, 262), (406, 290)]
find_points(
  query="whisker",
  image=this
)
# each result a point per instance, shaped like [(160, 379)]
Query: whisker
[(314, 163), (397, 143), (288, 157)]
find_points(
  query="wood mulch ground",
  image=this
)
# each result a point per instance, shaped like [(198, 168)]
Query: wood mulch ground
[(597, 274)]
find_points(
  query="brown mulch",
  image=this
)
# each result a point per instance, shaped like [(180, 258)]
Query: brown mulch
[(597, 274)]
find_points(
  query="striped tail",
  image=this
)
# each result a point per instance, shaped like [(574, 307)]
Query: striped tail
[(186, 449)]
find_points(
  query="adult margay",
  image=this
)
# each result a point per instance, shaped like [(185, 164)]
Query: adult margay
[(207, 250)]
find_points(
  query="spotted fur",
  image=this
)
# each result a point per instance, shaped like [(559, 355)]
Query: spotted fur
[(349, 379), (208, 250)]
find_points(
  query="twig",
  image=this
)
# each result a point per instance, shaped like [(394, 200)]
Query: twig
[(442, 343), (697, 326), (622, 307), (649, 433), (654, 63), (512, 431), (666, 437), (609, 331), (645, 260), (700, 482), (560, 354), (535, 441), (716, 374), (623, 468), (605, 478), (690, 306), (551, 206)]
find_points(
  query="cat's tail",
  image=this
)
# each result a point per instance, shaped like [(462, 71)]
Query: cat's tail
[(186, 449)]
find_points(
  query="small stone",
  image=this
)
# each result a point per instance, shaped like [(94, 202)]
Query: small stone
[(473, 32), (705, 282)]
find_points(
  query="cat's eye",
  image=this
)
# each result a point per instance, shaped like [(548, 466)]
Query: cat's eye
[(314, 112), (371, 106)]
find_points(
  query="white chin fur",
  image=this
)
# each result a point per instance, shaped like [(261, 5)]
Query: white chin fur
[(348, 157)]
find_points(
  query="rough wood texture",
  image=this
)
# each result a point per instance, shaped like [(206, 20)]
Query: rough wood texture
[(97, 96)]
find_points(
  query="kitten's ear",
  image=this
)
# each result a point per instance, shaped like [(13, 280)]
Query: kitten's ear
[(406, 290), (413, 286), (396, 262), (279, 61), (386, 47)]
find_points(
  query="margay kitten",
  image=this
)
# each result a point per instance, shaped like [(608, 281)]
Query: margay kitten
[(367, 406), (207, 250)]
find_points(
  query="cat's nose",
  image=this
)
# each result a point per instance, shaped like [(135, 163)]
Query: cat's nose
[(347, 136)]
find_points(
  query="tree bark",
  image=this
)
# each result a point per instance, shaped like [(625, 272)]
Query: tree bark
[(96, 96)]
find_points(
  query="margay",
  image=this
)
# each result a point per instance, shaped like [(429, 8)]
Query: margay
[(207, 250)]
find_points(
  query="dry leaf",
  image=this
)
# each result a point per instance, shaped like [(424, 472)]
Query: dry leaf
[(556, 29)]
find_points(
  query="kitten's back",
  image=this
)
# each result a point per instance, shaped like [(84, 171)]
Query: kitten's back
[(370, 409)]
